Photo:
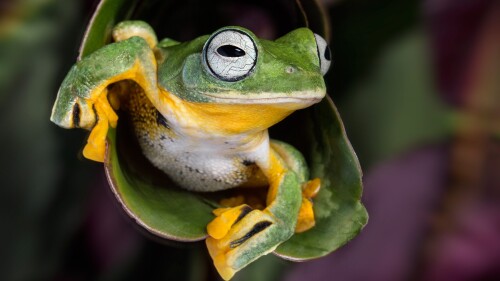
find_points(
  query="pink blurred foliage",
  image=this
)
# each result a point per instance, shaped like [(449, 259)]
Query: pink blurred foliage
[(399, 196), (454, 27), (404, 196), (472, 250)]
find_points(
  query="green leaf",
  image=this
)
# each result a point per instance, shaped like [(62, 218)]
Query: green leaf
[(149, 197), (106, 16), (162, 208), (314, 17), (339, 213)]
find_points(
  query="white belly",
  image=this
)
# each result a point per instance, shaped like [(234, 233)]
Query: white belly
[(202, 166)]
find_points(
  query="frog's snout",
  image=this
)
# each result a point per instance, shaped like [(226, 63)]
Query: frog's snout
[(308, 47)]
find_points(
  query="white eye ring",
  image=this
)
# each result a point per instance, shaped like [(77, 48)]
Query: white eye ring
[(325, 56), (230, 55)]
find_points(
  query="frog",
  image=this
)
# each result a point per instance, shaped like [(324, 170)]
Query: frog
[(201, 111)]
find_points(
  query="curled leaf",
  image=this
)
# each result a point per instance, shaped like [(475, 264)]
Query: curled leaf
[(150, 198)]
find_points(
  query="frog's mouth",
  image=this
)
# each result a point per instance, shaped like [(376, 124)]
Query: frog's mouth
[(295, 100)]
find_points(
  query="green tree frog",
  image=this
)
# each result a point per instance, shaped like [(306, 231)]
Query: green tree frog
[(200, 111)]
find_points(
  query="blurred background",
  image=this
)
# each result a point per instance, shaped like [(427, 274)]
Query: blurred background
[(417, 84)]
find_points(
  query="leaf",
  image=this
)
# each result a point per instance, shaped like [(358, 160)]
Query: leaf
[(108, 13), (339, 214), (149, 197), (158, 205), (315, 17)]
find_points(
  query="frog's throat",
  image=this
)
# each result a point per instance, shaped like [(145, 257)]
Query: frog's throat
[(226, 118)]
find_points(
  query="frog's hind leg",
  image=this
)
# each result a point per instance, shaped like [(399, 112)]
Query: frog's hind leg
[(310, 188), (292, 157), (239, 235)]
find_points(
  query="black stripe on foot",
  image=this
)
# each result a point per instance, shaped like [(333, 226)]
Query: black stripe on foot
[(244, 211), (258, 227)]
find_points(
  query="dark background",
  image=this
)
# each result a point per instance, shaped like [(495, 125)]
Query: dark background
[(416, 82)]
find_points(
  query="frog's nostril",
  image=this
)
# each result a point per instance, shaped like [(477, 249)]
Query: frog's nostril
[(290, 69)]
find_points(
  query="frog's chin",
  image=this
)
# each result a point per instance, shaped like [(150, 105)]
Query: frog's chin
[(244, 116), (239, 114)]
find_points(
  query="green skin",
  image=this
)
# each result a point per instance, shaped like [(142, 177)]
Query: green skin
[(287, 68)]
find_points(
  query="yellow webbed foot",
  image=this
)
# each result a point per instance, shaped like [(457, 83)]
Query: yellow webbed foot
[(305, 220), (225, 219), (254, 201), (232, 201), (95, 148), (237, 236)]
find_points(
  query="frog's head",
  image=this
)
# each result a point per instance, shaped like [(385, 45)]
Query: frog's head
[(233, 74)]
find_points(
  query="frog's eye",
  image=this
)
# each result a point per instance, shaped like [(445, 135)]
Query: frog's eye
[(230, 55), (325, 56)]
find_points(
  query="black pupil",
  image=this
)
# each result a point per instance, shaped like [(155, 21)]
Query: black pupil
[(328, 55), (230, 51)]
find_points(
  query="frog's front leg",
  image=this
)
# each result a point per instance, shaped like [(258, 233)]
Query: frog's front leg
[(240, 235), (82, 98)]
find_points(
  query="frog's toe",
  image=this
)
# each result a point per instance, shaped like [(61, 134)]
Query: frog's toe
[(219, 258), (306, 220), (226, 218), (311, 188), (95, 149), (252, 236)]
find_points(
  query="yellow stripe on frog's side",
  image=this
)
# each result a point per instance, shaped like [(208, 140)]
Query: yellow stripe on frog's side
[(225, 119)]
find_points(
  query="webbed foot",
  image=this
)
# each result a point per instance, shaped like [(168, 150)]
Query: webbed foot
[(240, 235), (95, 148), (305, 220)]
